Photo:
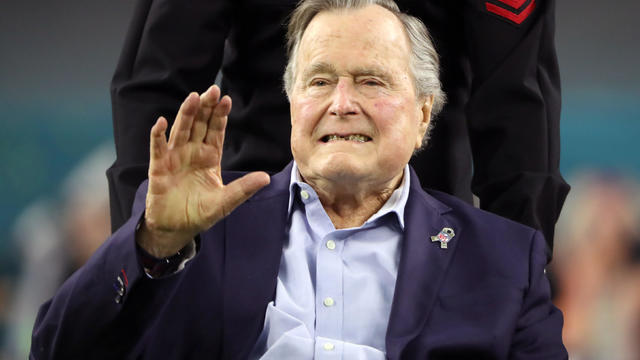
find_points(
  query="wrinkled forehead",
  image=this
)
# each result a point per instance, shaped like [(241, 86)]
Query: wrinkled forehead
[(372, 33)]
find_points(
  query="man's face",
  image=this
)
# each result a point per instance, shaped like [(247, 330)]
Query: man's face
[(354, 111)]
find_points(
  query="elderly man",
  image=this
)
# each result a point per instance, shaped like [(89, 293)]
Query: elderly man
[(341, 255)]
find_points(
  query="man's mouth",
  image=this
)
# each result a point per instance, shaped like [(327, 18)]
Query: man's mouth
[(352, 137)]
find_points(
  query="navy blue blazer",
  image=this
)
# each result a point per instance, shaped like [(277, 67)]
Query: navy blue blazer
[(483, 297)]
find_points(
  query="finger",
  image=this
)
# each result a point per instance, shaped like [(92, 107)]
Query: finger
[(218, 122), (240, 190), (158, 140), (208, 100), (181, 129), (158, 149)]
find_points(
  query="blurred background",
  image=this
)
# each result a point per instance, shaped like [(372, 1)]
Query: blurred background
[(56, 61)]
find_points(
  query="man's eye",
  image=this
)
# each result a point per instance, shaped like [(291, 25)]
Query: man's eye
[(371, 82), (319, 82)]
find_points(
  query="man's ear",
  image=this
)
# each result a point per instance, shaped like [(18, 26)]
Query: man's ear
[(426, 105)]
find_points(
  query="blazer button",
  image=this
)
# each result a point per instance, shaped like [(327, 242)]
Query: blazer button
[(120, 286)]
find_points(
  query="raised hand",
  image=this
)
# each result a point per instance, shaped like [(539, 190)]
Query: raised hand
[(186, 194)]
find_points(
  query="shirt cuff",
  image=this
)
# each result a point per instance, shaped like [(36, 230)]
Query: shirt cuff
[(157, 268)]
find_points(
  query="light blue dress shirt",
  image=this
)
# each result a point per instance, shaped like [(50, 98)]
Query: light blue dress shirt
[(334, 287)]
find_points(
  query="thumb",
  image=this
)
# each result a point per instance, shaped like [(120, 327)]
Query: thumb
[(240, 190)]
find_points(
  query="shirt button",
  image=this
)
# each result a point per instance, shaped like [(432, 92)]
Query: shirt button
[(331, 244), (328, 346), (328, 302), (304, 194)]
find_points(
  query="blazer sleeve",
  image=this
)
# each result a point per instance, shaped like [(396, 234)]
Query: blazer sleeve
[(172, 47), (538, 333), (514, 112), (93, 314)]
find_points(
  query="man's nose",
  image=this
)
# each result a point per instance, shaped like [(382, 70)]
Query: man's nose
[(344, 100)]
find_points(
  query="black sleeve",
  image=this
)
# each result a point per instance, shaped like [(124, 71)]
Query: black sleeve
[(513, 111), (172, 47)]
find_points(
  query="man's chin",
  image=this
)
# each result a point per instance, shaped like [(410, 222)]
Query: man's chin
[(341, 169)]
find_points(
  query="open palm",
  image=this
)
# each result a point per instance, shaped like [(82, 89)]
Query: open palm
[(186, 194)]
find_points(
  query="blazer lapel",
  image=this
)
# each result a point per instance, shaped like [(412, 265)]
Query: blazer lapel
[(422, 267), (254, 236)]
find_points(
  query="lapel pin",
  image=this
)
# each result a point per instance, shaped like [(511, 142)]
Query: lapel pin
[(444, 236)]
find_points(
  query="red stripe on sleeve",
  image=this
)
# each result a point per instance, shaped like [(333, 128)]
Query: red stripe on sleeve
[(516, 18), (126, 281), (514, 3)]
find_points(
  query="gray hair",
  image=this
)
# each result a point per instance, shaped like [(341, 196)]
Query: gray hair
[(424, 63)]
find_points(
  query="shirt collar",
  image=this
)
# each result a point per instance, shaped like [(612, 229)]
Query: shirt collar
[(395, 204)]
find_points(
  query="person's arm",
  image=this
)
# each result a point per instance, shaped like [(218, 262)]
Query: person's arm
[(172, 47), (538, 333), (105, 305), (514, 112)]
